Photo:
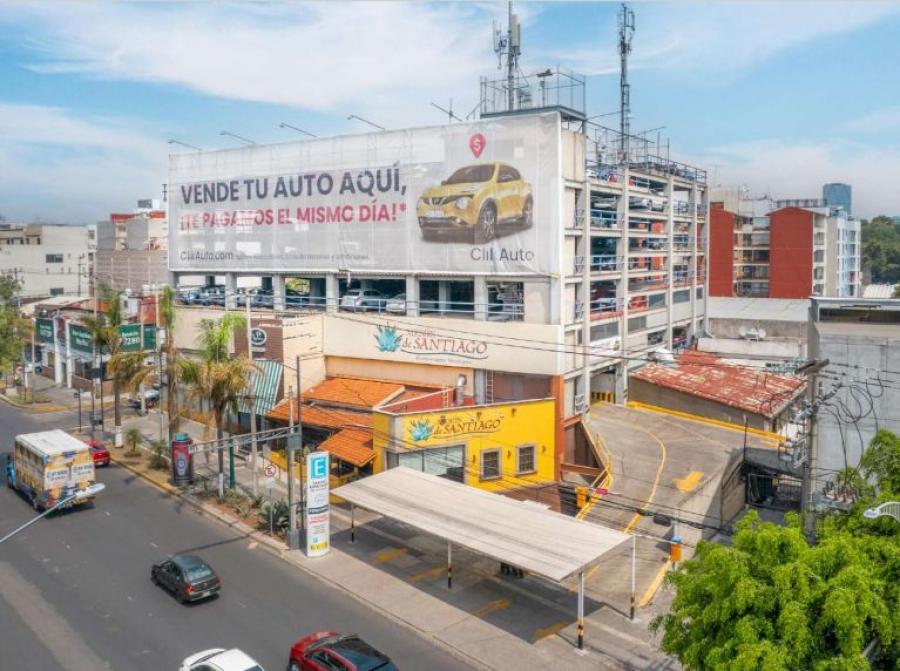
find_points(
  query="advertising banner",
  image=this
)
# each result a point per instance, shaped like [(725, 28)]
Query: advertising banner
[(44, 330), (318, 532), (476, 198), (81, 339), (131, 337)]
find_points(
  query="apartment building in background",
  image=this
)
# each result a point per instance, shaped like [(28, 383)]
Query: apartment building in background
[(48, 259), (131, 248), (796, 249)]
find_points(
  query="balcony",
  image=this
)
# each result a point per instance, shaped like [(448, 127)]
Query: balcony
[(649, 245), (683, 243), (639, 284), (605, 263), (604, 219)]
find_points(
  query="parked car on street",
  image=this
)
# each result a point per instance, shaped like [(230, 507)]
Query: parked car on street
[(363, 300), (220, 659), (188, 577), (99, 453), (325, 651)]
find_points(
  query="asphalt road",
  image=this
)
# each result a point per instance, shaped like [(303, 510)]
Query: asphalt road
[(75, 590)]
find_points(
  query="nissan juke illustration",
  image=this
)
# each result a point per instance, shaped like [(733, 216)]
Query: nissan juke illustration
[(478, 199)]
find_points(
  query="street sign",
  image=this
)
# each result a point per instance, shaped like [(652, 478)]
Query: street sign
[(269, 470), (318, 532)]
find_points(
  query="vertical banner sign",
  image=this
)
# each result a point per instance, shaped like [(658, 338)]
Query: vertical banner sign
[(318, 532), (45, 330)]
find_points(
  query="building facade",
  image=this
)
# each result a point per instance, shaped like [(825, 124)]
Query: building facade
[(131, 249), (860, 338), (792, 252), (838, 194), (48, 259), (517, 251)]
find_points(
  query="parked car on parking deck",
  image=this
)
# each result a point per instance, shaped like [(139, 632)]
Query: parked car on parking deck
[(396, 304), (363, 299), (325, 651), (188, 577), (220, 659)]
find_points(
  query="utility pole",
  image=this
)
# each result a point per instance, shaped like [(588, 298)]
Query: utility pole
[(813, 396), (251, 403), (158, 343), (300, 443)]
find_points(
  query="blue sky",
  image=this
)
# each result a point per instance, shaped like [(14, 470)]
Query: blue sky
[(780, 96)]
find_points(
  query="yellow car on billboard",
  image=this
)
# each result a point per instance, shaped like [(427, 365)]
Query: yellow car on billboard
[(479, 199)]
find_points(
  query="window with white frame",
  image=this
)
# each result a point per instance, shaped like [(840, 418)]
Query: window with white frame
[(526, 459), (490, 464)]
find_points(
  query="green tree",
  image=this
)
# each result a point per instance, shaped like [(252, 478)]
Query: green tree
[(104, 329), (881, 249), (14, 330), (772, 602), (217, 377)]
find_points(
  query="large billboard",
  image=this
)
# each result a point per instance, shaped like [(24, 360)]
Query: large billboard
[(472, 198)]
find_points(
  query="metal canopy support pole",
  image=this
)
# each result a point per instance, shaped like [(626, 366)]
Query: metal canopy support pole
[(449, 565), (352, 523), (633, 559), (581, 610)]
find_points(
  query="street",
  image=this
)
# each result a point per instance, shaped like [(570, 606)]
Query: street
[(77, 595)]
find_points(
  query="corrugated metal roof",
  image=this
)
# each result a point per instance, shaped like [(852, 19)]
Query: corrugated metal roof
[(265, 381), (758, 309), (351, 445), (539, 541), (704, 375)]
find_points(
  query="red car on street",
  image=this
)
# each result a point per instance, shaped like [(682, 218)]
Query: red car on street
[(99, 453), (327, 651)]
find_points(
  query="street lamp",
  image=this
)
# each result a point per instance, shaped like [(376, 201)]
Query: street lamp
[(889, 509), (299, 130), (185, 144), (93, 490), (242, 139), (359, 118)]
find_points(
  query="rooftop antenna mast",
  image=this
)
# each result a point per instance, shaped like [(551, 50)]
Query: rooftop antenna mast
[(626, 32), (509, 44)]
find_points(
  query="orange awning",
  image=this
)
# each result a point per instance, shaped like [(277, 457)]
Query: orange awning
[(351, 445)]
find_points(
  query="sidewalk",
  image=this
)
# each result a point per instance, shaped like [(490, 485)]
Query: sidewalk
[(497, 621)]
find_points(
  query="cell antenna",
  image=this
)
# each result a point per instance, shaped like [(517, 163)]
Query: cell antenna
[(626, 32), (509, 44)]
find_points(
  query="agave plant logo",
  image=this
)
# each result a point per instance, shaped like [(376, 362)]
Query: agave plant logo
[(388, 339), (420, 429)]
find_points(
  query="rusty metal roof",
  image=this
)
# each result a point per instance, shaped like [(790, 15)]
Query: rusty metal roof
[(705, 376)]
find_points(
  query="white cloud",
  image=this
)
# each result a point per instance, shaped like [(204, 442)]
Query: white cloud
[(724, 36), (798, 170), (62, 168), (319, 56), (879, 121)]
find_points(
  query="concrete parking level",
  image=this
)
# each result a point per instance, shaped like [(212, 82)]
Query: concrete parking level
[(660, 464)]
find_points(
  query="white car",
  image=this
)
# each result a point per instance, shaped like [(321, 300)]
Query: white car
[(220, 659)]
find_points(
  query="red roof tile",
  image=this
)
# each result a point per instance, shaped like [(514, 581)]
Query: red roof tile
[(351, 445), (353, 392), (704, 375)]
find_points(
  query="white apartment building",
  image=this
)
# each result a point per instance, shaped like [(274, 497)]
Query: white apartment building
[(131, 248), (48, 259)]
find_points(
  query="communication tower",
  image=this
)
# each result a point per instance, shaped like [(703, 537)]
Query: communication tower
[(509, 44), (626, 32)]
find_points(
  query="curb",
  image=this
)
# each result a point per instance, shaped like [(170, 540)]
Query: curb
[(281, 550), (31, 408)]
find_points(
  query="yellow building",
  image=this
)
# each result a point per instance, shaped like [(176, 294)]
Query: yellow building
[(501, 446)]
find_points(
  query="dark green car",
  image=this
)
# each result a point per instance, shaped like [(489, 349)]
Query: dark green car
[(188, 577)]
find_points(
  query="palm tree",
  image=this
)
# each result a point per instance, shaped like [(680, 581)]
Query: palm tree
[(217, 377), (134, 438), (104, 329)]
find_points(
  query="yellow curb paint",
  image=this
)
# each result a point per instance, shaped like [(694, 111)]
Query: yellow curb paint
[(654, 586), (704, 420), (492, 607), (430, 573), (388, 555), (548, 631), (689, 482)]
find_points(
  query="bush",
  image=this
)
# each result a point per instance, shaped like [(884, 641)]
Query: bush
[(280, 516), (157, 460)]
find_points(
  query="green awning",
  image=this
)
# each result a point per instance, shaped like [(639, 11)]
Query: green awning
[(265, 382)]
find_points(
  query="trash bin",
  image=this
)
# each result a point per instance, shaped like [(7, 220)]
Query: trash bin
[(182, 461)]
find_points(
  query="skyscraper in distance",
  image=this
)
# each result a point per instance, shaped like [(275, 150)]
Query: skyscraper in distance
[(838, 194)]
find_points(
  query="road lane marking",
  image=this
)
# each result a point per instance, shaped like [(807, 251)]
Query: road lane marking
[(689, 482), (253, 545), (68, 648), (430, 573), (492, 607), (154, 545), (657, 581), (554, 628), (388, 555)]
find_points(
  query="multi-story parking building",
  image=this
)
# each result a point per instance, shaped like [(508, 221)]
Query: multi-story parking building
[(535, 253)]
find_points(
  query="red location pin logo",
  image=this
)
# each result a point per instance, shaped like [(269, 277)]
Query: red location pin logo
[(476, 144)]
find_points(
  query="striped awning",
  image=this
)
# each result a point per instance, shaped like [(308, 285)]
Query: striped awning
[(265, 385)]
